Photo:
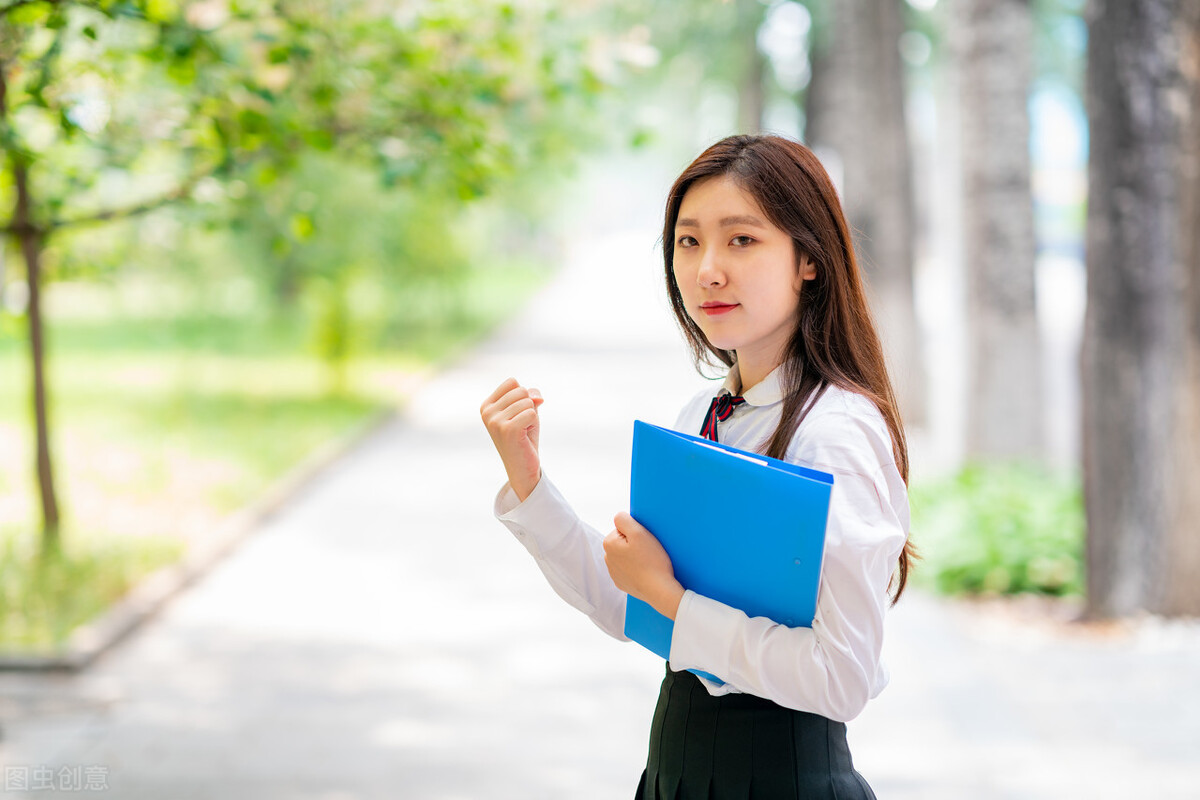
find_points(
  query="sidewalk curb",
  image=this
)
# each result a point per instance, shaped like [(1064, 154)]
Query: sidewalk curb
[(150, 594)]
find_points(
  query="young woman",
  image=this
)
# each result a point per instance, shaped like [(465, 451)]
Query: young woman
[(762, 277)]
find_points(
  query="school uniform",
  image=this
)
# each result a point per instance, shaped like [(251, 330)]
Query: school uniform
[(775, 728)]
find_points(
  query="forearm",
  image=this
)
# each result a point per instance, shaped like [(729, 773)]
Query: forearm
[(808, 669), (522, 482), (567, 551), (666, 599), (832, 668)]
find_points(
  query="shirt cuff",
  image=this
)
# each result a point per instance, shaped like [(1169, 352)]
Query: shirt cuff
[(541, 522), (703, 635)]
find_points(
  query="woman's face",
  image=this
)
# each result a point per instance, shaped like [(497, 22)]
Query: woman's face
[(737, 273)]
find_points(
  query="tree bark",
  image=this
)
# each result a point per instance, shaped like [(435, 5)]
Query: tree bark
[(856, 123), (31, 249), (751, 92), (1182, 590), (30, 239), (1141, 348), (993, 46)]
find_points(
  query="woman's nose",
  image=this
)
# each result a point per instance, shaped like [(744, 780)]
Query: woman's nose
[(710, 272)]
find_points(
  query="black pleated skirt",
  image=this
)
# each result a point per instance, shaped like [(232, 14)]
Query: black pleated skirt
[(742, 747)]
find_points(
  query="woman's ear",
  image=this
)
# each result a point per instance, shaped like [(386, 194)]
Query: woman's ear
[(806, 270)]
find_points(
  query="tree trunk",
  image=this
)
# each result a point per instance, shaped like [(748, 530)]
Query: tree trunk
[(993, 47), (1141, 348), (30, 239), (31, 249), (856, 123), (751, 94), (1182, 590)]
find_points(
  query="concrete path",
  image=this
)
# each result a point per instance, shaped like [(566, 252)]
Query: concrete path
[(384, 637)]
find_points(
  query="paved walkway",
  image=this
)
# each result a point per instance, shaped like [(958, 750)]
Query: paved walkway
[(383, 637)]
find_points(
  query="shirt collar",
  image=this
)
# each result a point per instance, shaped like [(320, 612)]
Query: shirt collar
[(766, 392)]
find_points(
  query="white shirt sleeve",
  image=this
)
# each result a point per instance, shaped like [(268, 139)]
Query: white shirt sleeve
[(569, 552), (833, 668)]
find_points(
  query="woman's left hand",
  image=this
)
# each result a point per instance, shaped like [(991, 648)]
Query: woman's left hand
[(641, 567)]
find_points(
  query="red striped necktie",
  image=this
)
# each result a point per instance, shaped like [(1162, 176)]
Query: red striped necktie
[(719, 411)]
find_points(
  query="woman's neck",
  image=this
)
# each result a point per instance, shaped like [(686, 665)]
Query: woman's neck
[(752, 373)]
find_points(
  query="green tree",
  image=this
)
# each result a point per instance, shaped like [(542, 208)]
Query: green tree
[(110, 109)]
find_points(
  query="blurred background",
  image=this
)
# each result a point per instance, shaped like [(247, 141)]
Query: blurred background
[(239, 232)]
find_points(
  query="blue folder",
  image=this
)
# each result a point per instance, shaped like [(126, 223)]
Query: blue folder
[(742, 528)]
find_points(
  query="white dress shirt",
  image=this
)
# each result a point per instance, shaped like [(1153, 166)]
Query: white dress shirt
[(830, 669)]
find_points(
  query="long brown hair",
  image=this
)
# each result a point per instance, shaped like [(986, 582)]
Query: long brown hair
[(835, 342)]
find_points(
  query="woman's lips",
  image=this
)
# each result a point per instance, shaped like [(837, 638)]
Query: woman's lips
[(716, 309)]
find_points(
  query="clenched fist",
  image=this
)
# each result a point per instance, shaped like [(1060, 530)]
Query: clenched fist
[(511, 417), (640, 566)]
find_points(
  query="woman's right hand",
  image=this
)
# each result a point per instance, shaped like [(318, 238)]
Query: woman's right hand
[(511, 417)]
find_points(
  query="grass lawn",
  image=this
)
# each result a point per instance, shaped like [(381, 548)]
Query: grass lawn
[(163, 426)]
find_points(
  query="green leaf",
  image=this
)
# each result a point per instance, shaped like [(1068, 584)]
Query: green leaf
[(319, 138), (161, 10), (266, 175), (32, 14), (641, 137), (124, 9), (324, 95), (65, 123), (303, 227), (182, 71), (253, 121)]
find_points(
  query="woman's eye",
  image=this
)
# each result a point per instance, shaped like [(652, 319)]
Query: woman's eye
[(741, 241), (685, 241)]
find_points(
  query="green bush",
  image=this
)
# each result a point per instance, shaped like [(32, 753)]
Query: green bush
[(1000, 529), (46, 594)]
